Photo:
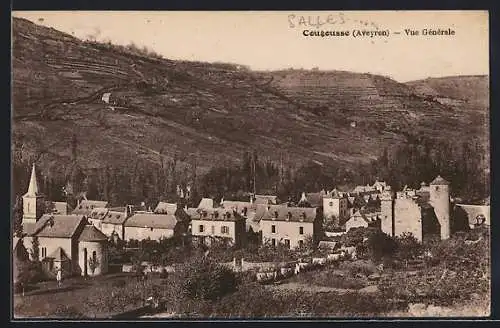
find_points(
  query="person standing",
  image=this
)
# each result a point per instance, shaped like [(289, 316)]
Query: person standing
[(59, 278)]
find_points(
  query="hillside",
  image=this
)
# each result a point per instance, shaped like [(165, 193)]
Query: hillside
[(208, 113), (470, 91)]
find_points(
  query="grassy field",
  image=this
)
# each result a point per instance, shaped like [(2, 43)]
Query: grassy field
[(81, 298)]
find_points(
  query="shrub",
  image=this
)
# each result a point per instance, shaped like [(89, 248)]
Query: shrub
[(381, 245), (206, 280), (364, 267), (408, 247)]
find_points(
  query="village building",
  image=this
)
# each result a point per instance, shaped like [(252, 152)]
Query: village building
[(358, 220), (55, 236), (85, 206), (335, 207), (206, 203), (165, 208), (111, 220), (425, 212), (312, 199), (153, 226), (218, 225), (470, 216), (290, 226), (266, 199)]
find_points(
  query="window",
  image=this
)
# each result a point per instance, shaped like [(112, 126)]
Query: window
[(224, 229), (437, 188), (273, 242), (273, 229), (151, 228), (201, 228), (287, 243), (330, 203), (28, 207), (301, 243), (301, 230), (213, 230), (44, 252)]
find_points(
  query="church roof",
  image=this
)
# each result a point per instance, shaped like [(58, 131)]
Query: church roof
[(59, 255), (439, 181), (57, 226), (33, 190), (91, 233)]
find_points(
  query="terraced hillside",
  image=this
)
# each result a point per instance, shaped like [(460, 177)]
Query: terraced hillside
[(162, 109)]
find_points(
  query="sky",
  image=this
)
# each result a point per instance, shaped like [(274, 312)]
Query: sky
[(275, 40)]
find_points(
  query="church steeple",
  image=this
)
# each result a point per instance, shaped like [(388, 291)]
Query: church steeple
[(33, 200), (33, 186)]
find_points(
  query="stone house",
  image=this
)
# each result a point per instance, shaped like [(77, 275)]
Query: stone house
[(85, 206), (312, 199), (423, 213), (111, 220), (149, 225), (357, 220), (335, 207), (290, 226), (218, 224), (165, 208)]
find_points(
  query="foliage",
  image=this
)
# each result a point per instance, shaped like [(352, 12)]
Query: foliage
[(358, 267), (206, 280), (381, 245), (461, 270), (329, 277), (30, 273), (18, 217), (35, 250), (408, 247)]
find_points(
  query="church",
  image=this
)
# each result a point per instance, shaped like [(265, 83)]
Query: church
[(67, 242)]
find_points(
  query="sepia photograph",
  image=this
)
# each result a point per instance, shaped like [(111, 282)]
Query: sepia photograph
[(256, 165)]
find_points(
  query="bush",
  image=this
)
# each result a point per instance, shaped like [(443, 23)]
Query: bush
[(206, 280), (381, 245), (363, 267), (408, 247)]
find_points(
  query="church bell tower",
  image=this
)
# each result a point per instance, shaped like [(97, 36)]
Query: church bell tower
[(33, 200)]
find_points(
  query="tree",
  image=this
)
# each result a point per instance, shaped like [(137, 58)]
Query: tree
[(35, 251), (18, 217), (408, 246), (381, 245)]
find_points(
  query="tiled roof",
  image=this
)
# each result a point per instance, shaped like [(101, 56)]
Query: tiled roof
[(293, 214), (98, 213), (91, 233), (165, 208), (265, 199), (28, 228), (358, 214), (61, 207), (237, 205), (439, 181), (59, 255), (86, 206), (217, 214), (150, 220), (206, 203), (315, 199), (57, 226), (114, 217)]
